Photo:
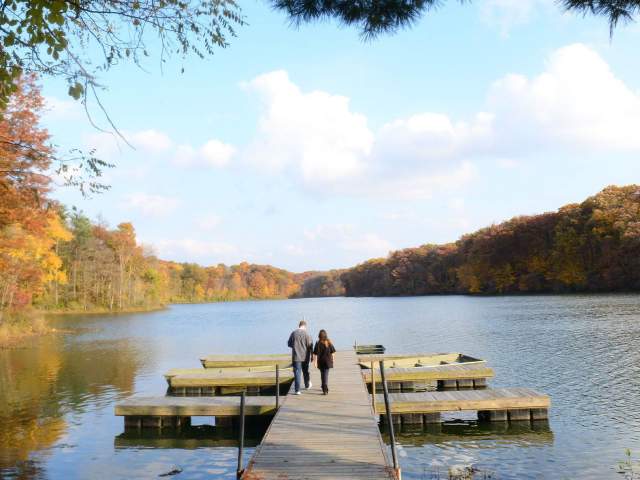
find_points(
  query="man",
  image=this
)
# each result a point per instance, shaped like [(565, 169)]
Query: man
[(301, 346)]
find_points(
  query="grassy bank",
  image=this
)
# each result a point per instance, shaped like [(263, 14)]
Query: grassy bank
[(103, 311)]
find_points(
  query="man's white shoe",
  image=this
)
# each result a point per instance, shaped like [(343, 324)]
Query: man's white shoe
[(310, 385), (298, 393)]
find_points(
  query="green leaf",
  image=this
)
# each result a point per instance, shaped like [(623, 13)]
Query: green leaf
[(76, 91)]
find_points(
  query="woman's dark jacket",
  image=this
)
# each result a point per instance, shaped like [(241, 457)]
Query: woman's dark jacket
[(324, 355)]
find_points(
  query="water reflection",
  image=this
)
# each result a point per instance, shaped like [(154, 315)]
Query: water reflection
[(57, 393), (45, 383), (201, 436), (521, 434)]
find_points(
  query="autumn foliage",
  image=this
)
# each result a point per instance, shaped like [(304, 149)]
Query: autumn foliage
[(587, 247), (29, 223)]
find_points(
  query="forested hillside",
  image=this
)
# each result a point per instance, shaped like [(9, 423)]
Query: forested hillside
[(591, 246)]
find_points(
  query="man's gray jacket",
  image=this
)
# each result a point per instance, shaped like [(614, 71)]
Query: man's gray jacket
[(301, 345)]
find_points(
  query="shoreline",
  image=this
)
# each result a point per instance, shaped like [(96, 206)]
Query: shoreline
[(104, 311)]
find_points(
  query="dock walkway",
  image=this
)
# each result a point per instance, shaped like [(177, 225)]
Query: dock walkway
[(316, 436)]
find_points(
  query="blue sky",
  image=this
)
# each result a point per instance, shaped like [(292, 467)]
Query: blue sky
[(311, 149)]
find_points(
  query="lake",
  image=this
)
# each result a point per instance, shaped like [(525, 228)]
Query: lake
[(57, 392)]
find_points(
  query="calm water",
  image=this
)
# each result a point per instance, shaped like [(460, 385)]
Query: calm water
[(57, 393)]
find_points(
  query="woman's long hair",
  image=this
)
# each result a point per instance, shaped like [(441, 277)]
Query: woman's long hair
[(323, 338)]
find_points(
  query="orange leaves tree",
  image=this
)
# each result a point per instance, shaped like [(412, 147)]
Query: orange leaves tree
[(29, 223)]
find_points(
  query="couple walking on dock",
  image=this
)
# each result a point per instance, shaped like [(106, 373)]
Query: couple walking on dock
[(303, 352)]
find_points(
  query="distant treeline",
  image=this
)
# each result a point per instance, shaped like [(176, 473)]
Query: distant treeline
[(106, 269), (591, 246), (587, 247)]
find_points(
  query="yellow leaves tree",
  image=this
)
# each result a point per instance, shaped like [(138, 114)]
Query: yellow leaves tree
[(28, 260)]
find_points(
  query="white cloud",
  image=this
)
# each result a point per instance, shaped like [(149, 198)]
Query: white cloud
[(577, 103), (433, 138), (152, 205), (150, 140), (318, 140), (217, 153), (315, 133), (213, 153), (208, 222), (109, 144)]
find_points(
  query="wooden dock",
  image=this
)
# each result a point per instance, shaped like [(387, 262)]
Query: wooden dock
[(176, 412), (335, 436), (455, 375), (500, 404), (194, 406), (316, 436), (212, 381), (226, 361)]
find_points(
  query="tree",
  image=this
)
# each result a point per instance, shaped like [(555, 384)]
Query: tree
[(373, 18), (25, 156), (123, 243), (75, 40), (591, 246)]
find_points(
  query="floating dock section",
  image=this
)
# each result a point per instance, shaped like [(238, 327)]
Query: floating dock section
[(337, 435)]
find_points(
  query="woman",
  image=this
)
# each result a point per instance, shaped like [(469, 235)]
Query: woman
[(324, 352)]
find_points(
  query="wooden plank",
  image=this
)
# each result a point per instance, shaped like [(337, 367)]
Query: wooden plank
[(224, 361), (186, 371), (317, 436), (498, 399), (440, 372), (194, 406), (212, 378)]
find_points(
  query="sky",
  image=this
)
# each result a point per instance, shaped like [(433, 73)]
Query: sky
[(310, 149)]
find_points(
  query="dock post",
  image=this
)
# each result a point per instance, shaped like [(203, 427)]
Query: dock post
[(387, 407), (239, 470), (277, 386), (373, 389)]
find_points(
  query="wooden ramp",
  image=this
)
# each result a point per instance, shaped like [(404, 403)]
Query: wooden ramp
[(331, 437)]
